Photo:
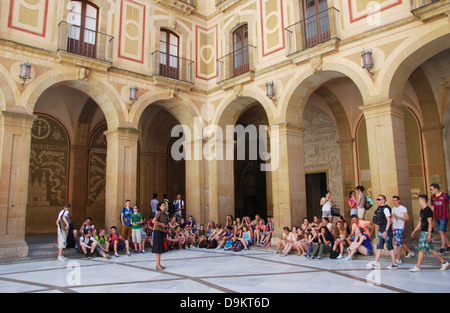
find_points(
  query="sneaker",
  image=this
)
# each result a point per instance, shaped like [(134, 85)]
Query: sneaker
[(107, 256), (398, 262), (444, 266), (128, 253), (375, 266), (61, 259), (143, 251), (116, 255), (318, 258), (392, 267), (442, 251), (370, 264), (410, 255), (414, 269), (340, 256), (348, 259)]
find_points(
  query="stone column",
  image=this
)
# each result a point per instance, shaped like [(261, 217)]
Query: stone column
[(194, 187), (388, 153), (15, 141), (288, 176), (121, 172), (434, 156), (347, 166)]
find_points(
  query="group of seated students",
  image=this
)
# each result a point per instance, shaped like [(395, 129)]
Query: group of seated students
[(236, 234), (314, 239)]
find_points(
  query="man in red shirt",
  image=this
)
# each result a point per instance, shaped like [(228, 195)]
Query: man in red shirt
[(440, 204)]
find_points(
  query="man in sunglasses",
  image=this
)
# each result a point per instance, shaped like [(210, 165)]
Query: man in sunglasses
[(382, 217)]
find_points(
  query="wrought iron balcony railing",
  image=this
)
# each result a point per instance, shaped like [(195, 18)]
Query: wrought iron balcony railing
[(172, 67), (312, 31), (417, 4), (236, 63), (85, 42)]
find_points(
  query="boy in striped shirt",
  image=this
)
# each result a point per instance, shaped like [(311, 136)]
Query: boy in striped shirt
[(440, 204)]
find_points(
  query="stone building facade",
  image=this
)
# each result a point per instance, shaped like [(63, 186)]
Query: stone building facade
[(70, 132)]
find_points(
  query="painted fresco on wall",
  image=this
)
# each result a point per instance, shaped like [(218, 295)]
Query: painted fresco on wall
[(49, 163), (97, 169)]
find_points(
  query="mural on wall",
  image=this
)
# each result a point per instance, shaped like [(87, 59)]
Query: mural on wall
[(97, 169), (322, 153), (49, 163)]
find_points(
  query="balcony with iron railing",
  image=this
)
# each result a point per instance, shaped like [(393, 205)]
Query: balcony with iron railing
[(312, 31), (172, 67), (417, 4), (84, 42), (427, 9), (236, 63)]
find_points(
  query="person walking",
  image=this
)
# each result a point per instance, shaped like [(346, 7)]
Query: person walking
[(63, 224), (440, 204), (385, 234), (426, 235), (400, 216), (159, 233)]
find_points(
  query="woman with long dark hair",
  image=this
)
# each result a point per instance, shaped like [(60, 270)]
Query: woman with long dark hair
[(160, 221)]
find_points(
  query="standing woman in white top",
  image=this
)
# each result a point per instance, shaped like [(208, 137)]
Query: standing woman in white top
[(361, 201), (327, 203)]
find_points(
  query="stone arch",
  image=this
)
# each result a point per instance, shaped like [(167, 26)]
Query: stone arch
[(300, 88), (8, 90), (407, 57), (107, 98)]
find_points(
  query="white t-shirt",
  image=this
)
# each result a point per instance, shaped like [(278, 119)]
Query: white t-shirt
[(400, 211), (289, 237), (326, 207), (60, 217), (154, 205)]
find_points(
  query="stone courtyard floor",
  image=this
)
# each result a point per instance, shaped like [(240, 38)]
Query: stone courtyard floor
[(202, 271)]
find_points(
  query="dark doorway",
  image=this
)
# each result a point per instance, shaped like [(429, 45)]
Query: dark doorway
[(316, 186)]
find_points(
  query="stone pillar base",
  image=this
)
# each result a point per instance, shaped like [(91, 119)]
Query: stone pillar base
[(11, 251)]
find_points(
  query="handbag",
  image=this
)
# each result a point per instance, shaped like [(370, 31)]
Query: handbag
[(335, 211)]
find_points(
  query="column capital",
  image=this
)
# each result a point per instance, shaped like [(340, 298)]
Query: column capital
[(127, 133), (288, 128), (389, 106), (16, 118)]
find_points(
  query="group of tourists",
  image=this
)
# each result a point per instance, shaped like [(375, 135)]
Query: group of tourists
[(167, 229)]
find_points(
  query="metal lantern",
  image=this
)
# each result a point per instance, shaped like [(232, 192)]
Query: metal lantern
[(367, 60), (133, 93), (25, 71), (270, 89)]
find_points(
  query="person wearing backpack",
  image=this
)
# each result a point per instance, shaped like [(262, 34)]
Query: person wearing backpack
[(179, 206), (382, 217), (125, 218), (63, 224)]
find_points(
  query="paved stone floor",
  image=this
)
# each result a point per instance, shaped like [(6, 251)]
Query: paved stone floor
[(217, 271)]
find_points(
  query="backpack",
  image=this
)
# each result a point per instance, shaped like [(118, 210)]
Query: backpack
[(237, 246), (367, 205), (378, 217), (170, 207)]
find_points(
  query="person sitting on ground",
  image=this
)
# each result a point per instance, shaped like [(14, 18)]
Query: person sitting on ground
[(173, 223), (340, 235), (226, 240), (87, 244), (284, 240), (189, 235), (267, 235), (313, 240), (357, 222), (291, 242), (103, 244), (324, 244), (192, 225), (216, 237), (116, 241), (314, 223), (301, 244), (87, 224), (260, 228), (246, 237), (361, 244), (176, 237), (200, 236)]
